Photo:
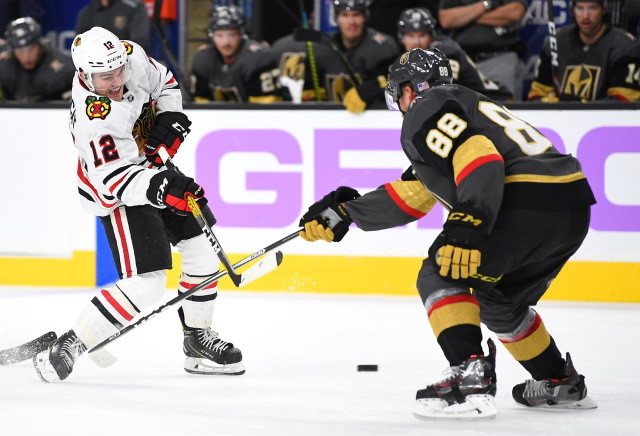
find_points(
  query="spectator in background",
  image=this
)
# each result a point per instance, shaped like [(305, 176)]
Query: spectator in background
[(369, 53), (383, 14), (35, 72), (232, 67), (595, 60), (127, 19), (417, 29), (487, 31)]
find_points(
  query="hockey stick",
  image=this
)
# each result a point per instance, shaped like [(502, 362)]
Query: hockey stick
[(259, 269), (27, 350), (238, 279), (310, 53), (300, 34), (553, 47)]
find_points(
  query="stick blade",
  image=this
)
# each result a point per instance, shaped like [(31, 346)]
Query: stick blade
[(267, 264), (302, 34), (102, 358), (28, 350)]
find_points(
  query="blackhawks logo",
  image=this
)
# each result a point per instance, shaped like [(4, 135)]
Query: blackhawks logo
[(98, 107), (128, 47)]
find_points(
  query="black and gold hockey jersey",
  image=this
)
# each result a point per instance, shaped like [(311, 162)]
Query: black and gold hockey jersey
[(51, 79), (252, 77), (606, 69), (465, 148), (369, 59), (292, 55), (465, 71)]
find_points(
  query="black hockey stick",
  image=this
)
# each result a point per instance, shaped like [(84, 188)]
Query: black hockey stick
[(28, 350), (310, 53), (263, 266), (553, 48), (300, 34), (237, 279)]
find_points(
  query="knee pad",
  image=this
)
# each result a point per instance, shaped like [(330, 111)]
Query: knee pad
[(113, 308), (198, 257)]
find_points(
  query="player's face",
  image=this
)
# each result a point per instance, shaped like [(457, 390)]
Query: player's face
[(28, 56), (588, 17), (407, 97), (412, 40), (227, 41), (351, 24), (110, 84)]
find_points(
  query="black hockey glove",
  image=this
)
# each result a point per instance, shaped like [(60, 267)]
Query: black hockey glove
[(171, 189), (327, 219), (170, 130), (457, 250)]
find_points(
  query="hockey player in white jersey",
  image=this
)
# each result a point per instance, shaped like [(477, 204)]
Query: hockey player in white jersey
[(125, 106)]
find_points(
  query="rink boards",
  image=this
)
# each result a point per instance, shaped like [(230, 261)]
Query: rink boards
[(262, 168)]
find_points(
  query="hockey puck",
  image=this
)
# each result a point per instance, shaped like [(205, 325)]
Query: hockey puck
[(370, 368)]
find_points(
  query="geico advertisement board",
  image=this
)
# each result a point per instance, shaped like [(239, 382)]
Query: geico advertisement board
[(261, 169)]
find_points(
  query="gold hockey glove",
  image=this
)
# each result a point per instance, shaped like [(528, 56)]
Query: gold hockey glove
[(327, 219)]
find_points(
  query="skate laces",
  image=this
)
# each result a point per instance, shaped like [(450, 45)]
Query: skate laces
[(538, 389), (71, 348), (209, 339)]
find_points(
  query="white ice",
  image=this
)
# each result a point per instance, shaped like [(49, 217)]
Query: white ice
[(301, 352)]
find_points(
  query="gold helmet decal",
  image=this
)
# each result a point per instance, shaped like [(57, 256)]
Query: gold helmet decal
[(404, 58), (78, 41), (97, 107)]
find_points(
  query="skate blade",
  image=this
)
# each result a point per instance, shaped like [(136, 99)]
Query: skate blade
[(585, 404), (194, 365), (476, 407), (44, 369)]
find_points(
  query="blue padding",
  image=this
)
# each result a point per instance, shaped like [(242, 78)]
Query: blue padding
[(106, 272)]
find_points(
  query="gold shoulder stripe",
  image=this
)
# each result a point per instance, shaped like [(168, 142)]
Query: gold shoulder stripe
[(471, 150), (538, 178)]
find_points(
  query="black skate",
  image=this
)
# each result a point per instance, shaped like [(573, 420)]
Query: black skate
[(467, 392), (208, 354), (569, 392), (56, 363)]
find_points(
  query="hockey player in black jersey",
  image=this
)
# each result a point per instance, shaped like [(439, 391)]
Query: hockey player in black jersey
[(417, 29), (518, 210), (595, 61), (34, 71), (232, 67), (369, 53)]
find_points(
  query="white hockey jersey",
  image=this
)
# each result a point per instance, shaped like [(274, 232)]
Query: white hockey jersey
[(110, 135)]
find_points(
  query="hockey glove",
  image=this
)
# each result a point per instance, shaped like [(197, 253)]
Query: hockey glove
[(169, 132), (456, 252), (359, 97), (327, 219), (171, 189)]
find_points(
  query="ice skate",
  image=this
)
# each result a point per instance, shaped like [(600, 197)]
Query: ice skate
[(208, 354), (569, 392), (467, 392), (56, 363)]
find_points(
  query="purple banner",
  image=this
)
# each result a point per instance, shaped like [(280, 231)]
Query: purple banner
[(329, 172)]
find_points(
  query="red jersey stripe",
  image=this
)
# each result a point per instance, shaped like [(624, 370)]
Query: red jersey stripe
[(475, 164)]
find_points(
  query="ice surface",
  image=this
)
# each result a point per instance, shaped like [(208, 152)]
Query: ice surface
[(301, 353)]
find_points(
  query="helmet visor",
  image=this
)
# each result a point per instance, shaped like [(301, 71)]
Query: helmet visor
[(391, 98), (110, 80)]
